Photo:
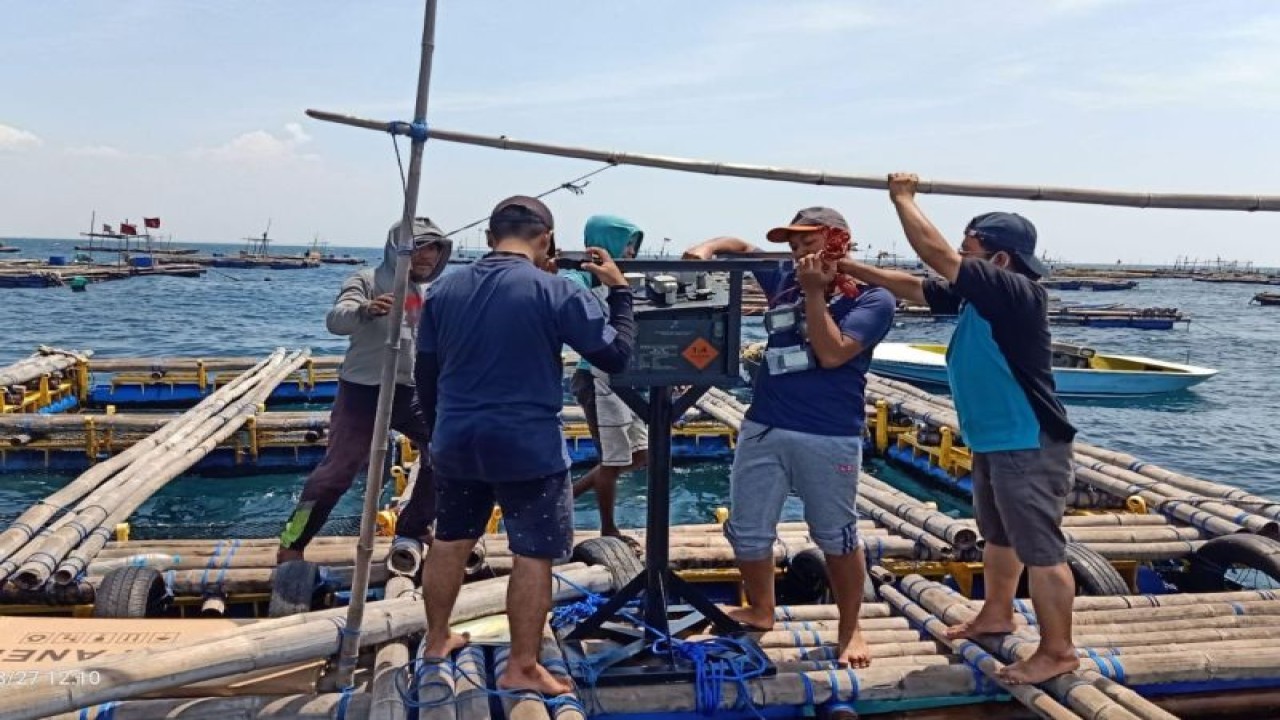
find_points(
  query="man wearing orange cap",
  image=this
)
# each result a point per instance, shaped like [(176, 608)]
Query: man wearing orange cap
[(803, 431)]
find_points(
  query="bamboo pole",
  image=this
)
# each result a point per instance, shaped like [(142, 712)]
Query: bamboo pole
[(25, 527), (42, 425), (1232, 513), (190, 365), (1263, 506), (391, 659), (1186, 201), (391, 354), (267, 643), (105, 487), (262, 707), (1035, 699), (469, 677), (143, 479), (1211, 523), (45, 361)]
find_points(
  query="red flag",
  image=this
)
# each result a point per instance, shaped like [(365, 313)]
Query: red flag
[(151, 222), (127, 229), (106, 228)]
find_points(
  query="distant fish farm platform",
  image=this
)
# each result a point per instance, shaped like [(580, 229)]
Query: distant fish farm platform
[(58, 271), (1177, 613)]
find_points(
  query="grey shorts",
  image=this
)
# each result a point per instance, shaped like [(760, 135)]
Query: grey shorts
[(1019, 497), (618, 432), (771, 463)]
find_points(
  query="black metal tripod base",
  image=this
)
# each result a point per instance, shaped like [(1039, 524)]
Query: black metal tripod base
[(632, 656)]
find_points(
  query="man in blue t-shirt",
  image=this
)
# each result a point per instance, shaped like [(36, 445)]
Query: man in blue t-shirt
[(999, 364), (489, 376), (803, 431)]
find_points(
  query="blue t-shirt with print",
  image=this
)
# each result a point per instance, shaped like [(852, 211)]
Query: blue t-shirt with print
[(821, 401), (497, 327)]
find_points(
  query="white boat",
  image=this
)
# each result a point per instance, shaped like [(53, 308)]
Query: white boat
[(1077, 372)]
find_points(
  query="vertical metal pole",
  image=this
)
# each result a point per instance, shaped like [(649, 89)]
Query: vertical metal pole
[(657, 532), (350, 649)]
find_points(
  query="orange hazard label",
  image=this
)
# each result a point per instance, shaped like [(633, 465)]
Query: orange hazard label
[(700, 353)]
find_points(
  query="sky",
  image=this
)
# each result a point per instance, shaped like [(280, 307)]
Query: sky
[(193, 111)]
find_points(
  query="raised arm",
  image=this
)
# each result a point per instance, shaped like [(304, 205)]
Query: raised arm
[(903, 285), (719, 246), (925, 239)]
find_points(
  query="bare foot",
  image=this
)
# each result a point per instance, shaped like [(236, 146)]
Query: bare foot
[(1039, 667), (284, 555), (980, 625), (444, 647), (536, 678), (855, 653), (752, 617)]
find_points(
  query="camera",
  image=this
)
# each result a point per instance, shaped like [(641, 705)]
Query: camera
[(572, 259)]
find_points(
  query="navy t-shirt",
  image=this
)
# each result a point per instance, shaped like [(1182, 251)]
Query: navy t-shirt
[(821, 401), (497, 327), (1000, 358)]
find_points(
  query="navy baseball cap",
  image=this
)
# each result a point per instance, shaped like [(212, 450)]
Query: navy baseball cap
[(523, 207), (1009, 232)]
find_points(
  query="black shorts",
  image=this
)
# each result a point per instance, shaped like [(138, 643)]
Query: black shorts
[(537, 514)]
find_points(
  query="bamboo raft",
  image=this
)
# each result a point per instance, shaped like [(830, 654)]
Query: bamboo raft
[(36, 274), (1110, 316)]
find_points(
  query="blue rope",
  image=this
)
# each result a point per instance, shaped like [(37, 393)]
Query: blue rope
[(575, 612), (716, 661), (416, 131), (344, 701)]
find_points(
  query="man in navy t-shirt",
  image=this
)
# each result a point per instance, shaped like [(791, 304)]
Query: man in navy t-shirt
[(999, 363), (803, 431), (489, 375)]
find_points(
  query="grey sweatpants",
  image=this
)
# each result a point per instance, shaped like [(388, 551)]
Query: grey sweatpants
[(771, 463)]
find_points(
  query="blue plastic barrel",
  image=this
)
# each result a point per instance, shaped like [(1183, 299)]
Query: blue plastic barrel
[(58, 260), (140, 261)]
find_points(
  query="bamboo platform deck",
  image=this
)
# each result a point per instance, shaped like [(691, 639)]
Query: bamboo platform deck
[(1167, 559), (37, 274)]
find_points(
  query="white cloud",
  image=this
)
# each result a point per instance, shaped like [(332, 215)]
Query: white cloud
[(260, 146), (96, 151), (12, 138), (803, 18)]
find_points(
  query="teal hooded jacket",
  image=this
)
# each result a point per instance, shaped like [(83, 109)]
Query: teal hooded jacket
[(613, 234)]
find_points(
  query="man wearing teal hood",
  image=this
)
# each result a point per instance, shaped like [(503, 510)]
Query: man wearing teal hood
[(621, 437)]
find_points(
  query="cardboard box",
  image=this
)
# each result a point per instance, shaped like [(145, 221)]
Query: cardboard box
[(38, 649)]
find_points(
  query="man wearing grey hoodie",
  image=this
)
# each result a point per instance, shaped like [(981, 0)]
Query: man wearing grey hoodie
[(360, 313)]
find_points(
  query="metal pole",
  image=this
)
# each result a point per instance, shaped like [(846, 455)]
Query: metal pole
[(658, 527), (350, 650)]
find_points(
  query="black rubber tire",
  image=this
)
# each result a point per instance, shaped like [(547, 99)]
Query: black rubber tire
[(616, 554), (131, 592), (1093, 574), (806, 579), (1207, 568), (294, 588)]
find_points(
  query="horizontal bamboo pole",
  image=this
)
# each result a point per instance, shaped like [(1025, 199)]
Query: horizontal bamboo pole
[(1188, 201), (12, 423), (1264, 506), (1211, 522), (922, 653), (179, 364), (45, 361), (265, 644), (1144, 550), (262, 707)]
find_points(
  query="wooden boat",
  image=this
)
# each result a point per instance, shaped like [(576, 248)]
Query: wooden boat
[(9, 248), (1078, 371), (1266, 298)]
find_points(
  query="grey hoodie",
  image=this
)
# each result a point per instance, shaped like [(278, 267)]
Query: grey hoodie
[(349, 315)]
